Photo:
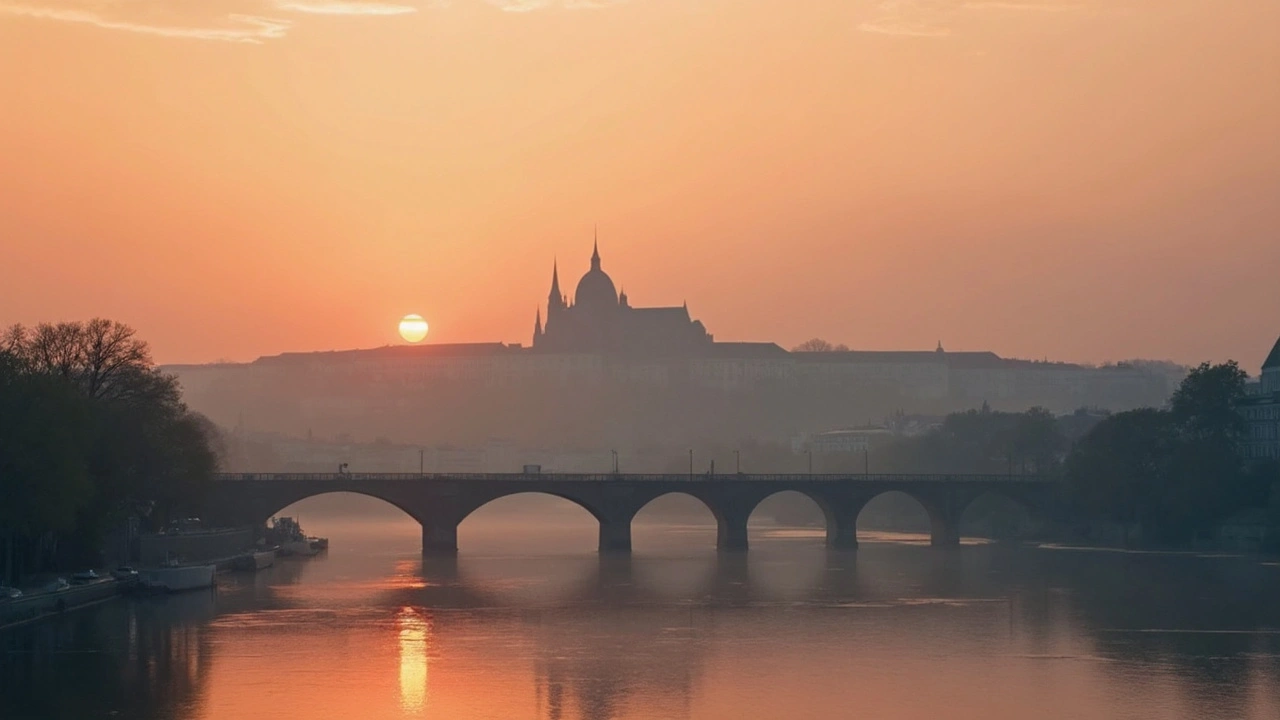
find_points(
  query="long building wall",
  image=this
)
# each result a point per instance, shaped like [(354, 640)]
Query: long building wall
[(965, 379)]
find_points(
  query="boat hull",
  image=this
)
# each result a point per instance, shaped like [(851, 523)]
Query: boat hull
[(177, 579), (297, 547), (254, 561)]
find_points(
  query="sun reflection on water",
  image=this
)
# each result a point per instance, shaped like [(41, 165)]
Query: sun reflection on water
[(415, 634)]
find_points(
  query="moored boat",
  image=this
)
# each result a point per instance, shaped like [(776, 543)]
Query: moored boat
[(177, 578), (254, 561), (297, 547)]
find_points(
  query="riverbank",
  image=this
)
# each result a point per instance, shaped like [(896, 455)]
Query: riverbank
[(45, 603)]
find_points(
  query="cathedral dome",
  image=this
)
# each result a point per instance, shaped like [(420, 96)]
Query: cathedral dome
[(595, 289)]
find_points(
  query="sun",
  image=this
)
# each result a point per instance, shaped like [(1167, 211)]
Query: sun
[(413, 328)]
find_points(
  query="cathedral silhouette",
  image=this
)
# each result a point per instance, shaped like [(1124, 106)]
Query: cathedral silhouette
[(600, 320)]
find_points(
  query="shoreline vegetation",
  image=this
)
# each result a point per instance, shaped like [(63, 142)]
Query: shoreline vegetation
[(93, 439)]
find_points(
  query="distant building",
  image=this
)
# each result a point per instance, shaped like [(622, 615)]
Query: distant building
[(600, 320), (596, 348), (844, 441), (1262, 411)]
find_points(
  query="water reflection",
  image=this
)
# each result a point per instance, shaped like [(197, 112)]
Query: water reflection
[(786, 630), (415, 631), (144, 660)]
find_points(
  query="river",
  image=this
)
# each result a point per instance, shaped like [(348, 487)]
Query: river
[(528, 622)]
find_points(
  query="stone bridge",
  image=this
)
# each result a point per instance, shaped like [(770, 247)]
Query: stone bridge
[(440, 502)]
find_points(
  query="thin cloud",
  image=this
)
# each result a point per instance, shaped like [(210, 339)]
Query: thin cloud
[(893, 26), (523, 6), (337, 7), (520, 5), (1018, 6), (234, 21), (235, 27), (911, 18), (936, 18)]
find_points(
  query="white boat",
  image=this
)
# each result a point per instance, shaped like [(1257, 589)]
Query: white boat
[(254, 561), (297, 547), (177, 579)]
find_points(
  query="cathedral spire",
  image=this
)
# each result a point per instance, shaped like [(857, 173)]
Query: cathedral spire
[(537, 326), (556, 298), (595, 248)]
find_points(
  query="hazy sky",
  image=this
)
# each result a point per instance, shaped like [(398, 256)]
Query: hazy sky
[(1083, 180)]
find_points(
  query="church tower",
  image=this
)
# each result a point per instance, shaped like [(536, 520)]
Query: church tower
[(555, 299)]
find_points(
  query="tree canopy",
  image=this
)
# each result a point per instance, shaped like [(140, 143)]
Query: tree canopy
[(1176, 473), (819, 345), (91, 432)]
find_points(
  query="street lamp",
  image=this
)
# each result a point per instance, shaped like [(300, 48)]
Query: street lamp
[(421, 461), (737, 462), (809, 452), (615, 461), (690, 463)]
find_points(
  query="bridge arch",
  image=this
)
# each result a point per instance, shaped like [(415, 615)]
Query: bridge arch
[(680, 505), (254, 503), (572, 517), (906, 511), (590, 507), (794, 508), (997, 514)]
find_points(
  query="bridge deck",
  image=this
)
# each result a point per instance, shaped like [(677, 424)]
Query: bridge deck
[(641, 477)]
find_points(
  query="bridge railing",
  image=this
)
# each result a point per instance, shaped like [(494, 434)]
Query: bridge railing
[(636, 477)]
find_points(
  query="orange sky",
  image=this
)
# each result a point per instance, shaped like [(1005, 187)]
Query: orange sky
[(1085, 180)]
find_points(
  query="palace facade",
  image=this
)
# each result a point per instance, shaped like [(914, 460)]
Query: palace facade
[(1262, 411)]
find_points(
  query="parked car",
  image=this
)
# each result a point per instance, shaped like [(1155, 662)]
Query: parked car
[(57, 584), (124, 572), (9, 593), (86, 576)]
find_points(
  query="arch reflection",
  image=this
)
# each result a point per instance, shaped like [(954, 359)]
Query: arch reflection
[(414, 641)]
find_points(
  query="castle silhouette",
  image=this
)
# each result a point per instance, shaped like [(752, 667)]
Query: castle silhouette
[(600, 319)]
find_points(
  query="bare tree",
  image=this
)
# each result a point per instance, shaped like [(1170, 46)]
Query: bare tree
[(111, 350), (819, 345), (97, 356)]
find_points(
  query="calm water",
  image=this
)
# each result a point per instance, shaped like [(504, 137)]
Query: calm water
[(528, 623)]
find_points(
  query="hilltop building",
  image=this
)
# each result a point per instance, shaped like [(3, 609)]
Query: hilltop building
[(599, 319), (597, 339), (1262, 411)]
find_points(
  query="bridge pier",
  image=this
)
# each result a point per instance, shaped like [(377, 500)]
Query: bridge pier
[(615, 536), (947, 535), (731, 532), (842, 532), (439, 538), (944, 530)]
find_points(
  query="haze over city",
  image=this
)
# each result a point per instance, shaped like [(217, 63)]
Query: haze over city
[(639, 359), (1082, 181)]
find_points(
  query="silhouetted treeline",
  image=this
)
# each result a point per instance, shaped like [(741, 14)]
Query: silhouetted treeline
[(90, 434), (1173, 475)]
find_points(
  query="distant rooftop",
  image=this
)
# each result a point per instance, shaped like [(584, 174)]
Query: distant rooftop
[(1273, 359), (392, 351)]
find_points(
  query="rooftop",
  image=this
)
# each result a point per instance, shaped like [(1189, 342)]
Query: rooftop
[(1273, 359)]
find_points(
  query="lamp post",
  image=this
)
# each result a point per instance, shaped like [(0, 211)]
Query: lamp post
[(809, 452), (866, 460), (421, 461), (737, 462), (690, 463), (615, 461)]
